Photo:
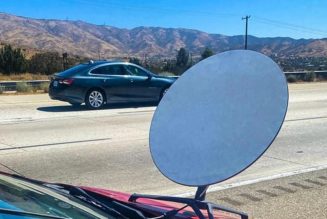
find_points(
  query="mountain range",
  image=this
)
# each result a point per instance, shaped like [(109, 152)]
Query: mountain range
[(90, 40)]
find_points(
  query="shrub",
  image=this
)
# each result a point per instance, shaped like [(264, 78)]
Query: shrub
[(44, 86), (310, 76), (2, 89), (23, 87), (291, 78)]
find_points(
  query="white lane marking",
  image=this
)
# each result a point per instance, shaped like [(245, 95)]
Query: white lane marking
[(16, 120), (253, 181), (77, 116)]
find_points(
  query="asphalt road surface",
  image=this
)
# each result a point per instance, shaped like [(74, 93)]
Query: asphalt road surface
[(51, 141), (294, 197)]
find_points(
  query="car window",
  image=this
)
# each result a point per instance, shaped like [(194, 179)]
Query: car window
[(133, 70), (109, 70), (74, 70)]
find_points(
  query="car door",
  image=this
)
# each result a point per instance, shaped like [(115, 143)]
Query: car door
[(115, 81), (142, 88)]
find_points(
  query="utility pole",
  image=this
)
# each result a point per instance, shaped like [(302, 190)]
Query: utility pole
[(246, 18), (65, 60)]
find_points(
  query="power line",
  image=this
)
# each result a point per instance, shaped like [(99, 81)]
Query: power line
[(122, 6), (289, 26), (117, 5)]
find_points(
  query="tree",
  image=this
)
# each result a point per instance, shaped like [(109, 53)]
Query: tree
[(46, 63), (206, 53), (135, 60), (182, 58), (169, 65), (52, 62), (12, 60), (182, 61)]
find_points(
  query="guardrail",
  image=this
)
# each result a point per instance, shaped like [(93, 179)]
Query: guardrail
[(300, 75), (12, 85)]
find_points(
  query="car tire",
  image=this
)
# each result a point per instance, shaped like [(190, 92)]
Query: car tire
[(94, 99)]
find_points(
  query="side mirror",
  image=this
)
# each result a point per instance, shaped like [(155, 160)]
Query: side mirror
[(149, 77)]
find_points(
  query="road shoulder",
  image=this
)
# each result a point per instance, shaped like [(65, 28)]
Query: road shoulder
[(298, 196)]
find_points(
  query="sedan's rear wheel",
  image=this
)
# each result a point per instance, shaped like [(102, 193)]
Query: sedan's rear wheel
[(94, 99)]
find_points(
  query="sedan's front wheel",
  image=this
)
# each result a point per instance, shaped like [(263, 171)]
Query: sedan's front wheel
[(94, 99), (163, 92)]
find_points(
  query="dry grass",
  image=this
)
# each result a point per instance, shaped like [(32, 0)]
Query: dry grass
[(23, 77), (44, 87)]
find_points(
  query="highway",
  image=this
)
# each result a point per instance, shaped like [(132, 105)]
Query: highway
[(51, 141)]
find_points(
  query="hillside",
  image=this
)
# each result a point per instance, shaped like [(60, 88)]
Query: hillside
[(85, 39)]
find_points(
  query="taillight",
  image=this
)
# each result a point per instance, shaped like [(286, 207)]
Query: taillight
[(68, 81)]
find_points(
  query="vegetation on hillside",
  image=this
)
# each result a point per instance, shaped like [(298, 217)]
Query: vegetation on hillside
[(206, 53), (14, 64), (13, 61)]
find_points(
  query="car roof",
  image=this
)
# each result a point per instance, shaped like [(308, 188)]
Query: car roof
[(99, 62)]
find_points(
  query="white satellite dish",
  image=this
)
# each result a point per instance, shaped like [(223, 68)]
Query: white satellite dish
[(218, 118)]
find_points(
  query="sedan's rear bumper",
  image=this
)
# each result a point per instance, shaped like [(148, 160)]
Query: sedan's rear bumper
[(65, 94)]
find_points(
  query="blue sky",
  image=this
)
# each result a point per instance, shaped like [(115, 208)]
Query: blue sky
[(269, 18)]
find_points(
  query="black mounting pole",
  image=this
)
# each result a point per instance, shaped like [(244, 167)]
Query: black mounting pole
[(195, 204), (246, 18), (200, 194)]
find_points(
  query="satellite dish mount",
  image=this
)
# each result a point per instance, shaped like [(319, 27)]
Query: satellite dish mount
[(200, 194)]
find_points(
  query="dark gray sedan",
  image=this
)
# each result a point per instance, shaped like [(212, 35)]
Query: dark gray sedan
[(101, 82)]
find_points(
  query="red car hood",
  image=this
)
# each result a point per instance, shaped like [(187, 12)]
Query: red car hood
[(154, 206)]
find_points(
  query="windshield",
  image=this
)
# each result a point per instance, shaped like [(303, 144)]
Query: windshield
[(20, 195)]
